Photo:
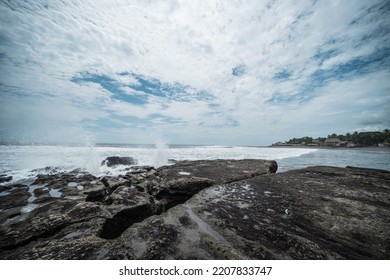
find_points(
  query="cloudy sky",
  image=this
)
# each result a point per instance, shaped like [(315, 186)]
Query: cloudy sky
[(192, 72)]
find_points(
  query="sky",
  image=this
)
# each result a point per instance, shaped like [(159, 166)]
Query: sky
[(192, 72)]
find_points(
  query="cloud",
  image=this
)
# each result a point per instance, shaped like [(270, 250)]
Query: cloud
[(217, 72)]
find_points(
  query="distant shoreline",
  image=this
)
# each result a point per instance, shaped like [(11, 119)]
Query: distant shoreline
[(332, 148)]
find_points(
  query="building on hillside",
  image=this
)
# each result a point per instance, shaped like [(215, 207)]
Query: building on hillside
[(316, 142), (335, 142), (351, 145)]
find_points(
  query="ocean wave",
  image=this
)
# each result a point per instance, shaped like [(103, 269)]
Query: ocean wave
[(24, 162)]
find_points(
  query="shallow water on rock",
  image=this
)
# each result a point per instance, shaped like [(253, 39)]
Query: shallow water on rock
[(203, 226), (74, 234), (55, 193)]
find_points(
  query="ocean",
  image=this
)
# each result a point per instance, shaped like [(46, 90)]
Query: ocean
[(25, 162)]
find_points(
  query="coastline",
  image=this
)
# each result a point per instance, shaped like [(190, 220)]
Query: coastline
[(205, 209), (374, 148)]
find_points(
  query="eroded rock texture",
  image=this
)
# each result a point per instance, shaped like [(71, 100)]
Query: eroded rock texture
[(78, 216), (200, 210), (312, 213)]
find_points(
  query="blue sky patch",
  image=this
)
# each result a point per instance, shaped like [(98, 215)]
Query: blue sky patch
[(320, 78), (321, 56), (356, 66), (143, 88), (279, 99), (239, 70), (147, 85), (283, 75), (110, 85)]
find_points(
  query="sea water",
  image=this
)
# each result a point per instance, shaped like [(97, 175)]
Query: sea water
[(23, 162)]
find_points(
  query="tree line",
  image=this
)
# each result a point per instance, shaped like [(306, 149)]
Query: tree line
[(372, 138)]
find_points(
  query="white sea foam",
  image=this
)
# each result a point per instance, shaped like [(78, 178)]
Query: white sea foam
[(20, 161)]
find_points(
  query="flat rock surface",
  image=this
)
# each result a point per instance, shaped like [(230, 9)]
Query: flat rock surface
[(78, 216), (218, 171), (219, 209), (311, 213)]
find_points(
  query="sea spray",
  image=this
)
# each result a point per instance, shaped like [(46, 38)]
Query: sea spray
[(92, 160), (28, 161), (161, 155)]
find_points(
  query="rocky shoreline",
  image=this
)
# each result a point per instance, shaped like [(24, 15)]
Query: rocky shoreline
[(207, 209)]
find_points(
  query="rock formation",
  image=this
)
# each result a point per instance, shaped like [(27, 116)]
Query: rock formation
[(222, 209), (115, 160)]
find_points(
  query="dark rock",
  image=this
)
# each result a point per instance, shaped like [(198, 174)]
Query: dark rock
[(312, 213), (75, 209), (209, 210), (5, 178), (128, 206), (184, 179), (63, 179), (15, 196), (177, 191), (45, 225), (218, 171), (41, 191), (10, 214), (141, 169), (42, 179), (45, 234), (48, 170), (112, 182), (45, 199), (113, 161), (4, 188), (98, 193)]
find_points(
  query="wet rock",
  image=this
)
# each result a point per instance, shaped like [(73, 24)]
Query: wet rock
[(127, 206), (113, 161), (173, 192), (45, 199), (76, 208), (45, 232), (60, 180), (10, 214), (209, 210), (4, 189), (61, 248), (14, 196), (5, 178), (97, 193), (112, 182), (218, 171), (312, 213), (184, 179), (147, 186), (41, 191), (48, 170)]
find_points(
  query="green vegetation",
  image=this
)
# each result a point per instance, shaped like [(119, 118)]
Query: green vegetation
[(302, 140), (359, 138)]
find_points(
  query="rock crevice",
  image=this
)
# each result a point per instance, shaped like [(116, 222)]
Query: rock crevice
[(221, 209), (111, 204)]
